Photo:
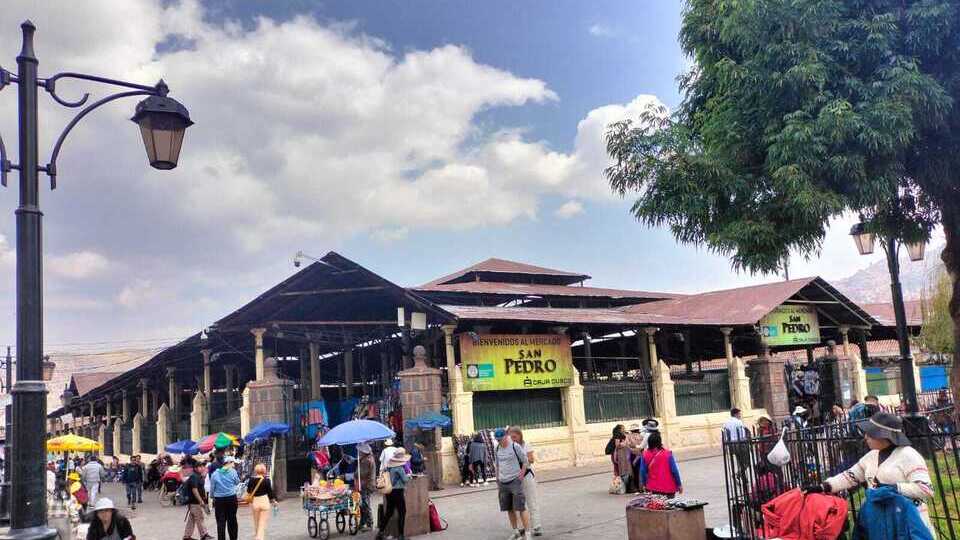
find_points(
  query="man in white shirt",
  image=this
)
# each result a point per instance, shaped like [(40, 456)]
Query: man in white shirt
[(734, 429)]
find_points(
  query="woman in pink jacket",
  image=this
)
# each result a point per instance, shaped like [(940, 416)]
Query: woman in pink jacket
[(658, 469)]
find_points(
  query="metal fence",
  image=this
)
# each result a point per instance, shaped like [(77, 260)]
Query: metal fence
[(611, 401), (701, 392), (148, 437), (823, 451), (528, 409)]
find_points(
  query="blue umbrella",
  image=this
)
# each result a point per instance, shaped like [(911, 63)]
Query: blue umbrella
[(182, 447), (265, 430), (357, 431), (429, 420)]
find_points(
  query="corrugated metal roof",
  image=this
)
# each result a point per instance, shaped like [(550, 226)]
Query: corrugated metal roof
[(526, 289), (747, 305), (502, 266), (85, 382), (612, 316), (883, 313)]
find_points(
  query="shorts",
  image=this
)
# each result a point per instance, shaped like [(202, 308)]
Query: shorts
[(512, 498)]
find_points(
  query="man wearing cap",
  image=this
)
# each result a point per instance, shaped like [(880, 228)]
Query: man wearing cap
[(891, 463), (512, 465)]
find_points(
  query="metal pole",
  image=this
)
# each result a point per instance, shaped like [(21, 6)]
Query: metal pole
[(8, 421), (28, 513), (907, 382)]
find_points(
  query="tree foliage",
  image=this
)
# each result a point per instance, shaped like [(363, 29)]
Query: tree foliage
[(795, 112), (936, 335)]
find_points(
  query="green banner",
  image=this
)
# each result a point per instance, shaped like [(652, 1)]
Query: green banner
[(515, 362), (791, 325)]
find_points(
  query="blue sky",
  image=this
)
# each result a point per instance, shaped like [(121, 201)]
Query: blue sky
[(414, 137)]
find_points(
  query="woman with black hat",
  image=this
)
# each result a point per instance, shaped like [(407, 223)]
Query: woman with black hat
[(891, 461)]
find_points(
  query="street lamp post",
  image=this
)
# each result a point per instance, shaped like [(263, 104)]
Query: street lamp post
[(162, 123), (864, 240)]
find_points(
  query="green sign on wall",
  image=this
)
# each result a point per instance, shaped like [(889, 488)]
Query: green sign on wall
[(791, 325)]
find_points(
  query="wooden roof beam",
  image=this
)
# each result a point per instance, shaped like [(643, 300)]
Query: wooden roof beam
[(333, 291)]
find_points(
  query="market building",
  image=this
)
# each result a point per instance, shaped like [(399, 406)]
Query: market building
[(511, 344)]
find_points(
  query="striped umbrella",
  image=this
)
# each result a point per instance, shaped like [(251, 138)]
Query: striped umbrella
[(216, 440)]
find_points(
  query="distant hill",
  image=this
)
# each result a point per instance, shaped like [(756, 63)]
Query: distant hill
[(872, 284)]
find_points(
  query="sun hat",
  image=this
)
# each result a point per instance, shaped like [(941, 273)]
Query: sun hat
[(364, 448), (651, 425), (103, 503), (885, 426), (399, 458), (634, 427), (799, 410), (229, 460)]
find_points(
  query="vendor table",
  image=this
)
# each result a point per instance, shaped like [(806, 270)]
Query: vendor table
[(643, 524)]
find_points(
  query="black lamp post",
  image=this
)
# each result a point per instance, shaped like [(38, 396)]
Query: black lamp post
[(864, 240), (162, 123)]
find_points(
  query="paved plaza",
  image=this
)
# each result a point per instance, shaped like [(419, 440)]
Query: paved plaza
[(575, 503)]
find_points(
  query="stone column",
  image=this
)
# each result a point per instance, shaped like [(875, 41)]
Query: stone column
[(775, 399), (737, 374), (665, 402), (117, 426), (199, 422), (315, 371), (126, 406), (137, 432), (102, 437), (163, 427), (258, 349), (421, 392), (858, 377), (173, 401), (207, 381), (304, 357), (109, 409), (461, 402), (265, 400), (576, 417), (145, 399), (154, 399)]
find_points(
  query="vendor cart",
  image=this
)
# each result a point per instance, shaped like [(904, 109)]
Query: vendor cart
[(345, 508)]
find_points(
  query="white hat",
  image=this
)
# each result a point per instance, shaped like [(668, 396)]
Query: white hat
[(388, 442), (229, 459), (799, 410), (103, 503)]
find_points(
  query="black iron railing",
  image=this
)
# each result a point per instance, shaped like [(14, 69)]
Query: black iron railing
[(820, 452)]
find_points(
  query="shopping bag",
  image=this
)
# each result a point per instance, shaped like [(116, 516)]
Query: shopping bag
[(436, 524), (779, 456), (384, 484), (616, 486)]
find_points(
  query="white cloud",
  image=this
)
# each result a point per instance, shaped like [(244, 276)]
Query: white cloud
[(602, 30), (137, 294), (78, 265), (569, 209)]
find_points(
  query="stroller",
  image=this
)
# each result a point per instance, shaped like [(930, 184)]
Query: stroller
[(169, 484)]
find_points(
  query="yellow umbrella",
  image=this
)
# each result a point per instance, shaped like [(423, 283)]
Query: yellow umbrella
[(72, 443)]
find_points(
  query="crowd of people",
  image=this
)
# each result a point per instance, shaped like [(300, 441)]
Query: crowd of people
[(641, 462)]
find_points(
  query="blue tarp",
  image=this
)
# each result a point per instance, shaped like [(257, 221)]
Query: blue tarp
[(933, 377), (266, 430), (429, 420)]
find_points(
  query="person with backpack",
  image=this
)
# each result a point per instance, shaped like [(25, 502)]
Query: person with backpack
[(192, 493), (133, 481), (392, 485), (512, 465)]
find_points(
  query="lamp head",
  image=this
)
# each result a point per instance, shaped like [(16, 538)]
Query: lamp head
[(163, 121), (863, 238)]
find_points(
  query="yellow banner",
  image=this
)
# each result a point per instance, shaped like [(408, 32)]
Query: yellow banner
[(515, 362), (791, 324)]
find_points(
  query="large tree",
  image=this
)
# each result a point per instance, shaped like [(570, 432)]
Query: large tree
[(797, 112), (936, 335)]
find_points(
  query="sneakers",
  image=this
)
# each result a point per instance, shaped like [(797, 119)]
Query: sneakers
[(538, 531), (515, 535), (528, 536)]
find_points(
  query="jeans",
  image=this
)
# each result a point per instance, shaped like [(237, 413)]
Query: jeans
[(225, 510), (395, 502), (134, 493), (366, 515)]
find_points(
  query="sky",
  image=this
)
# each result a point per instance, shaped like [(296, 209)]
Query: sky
[(412, 137)]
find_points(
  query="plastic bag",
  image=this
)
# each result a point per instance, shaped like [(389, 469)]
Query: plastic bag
[(617, 487), (779, 456)]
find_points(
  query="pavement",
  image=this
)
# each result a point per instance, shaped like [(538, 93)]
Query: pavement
[(575, 505)]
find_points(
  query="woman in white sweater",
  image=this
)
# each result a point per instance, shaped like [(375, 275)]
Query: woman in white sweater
[(891, 461)]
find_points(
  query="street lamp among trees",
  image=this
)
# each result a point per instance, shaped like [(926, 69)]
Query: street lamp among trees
[(162, 122), (795, 114)]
